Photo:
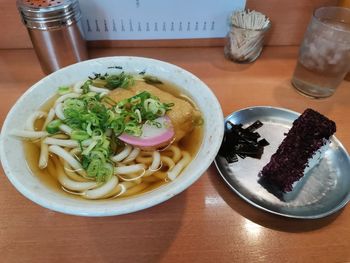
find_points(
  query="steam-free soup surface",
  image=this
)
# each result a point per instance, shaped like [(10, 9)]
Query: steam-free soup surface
[(189, 142)]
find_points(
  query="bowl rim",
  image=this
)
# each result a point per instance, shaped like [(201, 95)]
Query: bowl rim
[(156, 198)]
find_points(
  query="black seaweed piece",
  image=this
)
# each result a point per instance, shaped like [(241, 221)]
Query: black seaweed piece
[(151, 80), (263, 142), (241, 142), (116, 67), (256, 125)]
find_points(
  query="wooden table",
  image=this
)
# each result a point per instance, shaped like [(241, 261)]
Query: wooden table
[(207, 222)]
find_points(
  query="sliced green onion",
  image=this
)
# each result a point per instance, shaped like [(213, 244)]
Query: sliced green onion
[(121, 80), (79, 135), (53, 126), (118, 126), (133, 129), (103, 119), (63, 90), (97, 155), (138, 113), (93, 167), (89, 148), (86, 86)]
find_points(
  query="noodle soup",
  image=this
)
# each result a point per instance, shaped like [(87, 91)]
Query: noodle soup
[(76, 153)]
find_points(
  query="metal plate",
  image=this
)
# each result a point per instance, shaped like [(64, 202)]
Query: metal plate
[(322, 191)]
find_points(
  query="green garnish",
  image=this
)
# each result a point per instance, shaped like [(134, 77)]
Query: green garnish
[(121, 80), (53, 126), (86, 87), (80, 135), (113, 81), (63, 90), (92, 116), (95, 159)]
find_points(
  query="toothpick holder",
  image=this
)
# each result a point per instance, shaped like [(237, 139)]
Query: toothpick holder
[(244, 45)]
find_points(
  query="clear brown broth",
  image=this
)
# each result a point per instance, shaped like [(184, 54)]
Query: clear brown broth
[(191, 143)]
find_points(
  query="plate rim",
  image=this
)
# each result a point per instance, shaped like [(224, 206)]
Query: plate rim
[(226, 179)]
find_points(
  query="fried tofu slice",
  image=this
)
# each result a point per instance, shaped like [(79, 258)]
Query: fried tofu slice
[(182, 115)]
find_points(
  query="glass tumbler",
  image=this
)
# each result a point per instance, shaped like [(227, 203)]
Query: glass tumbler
[(324, 55)]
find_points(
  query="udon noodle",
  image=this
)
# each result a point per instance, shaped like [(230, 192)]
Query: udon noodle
[(90, 159)]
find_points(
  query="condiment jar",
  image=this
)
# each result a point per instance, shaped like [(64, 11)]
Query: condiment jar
[(55, 31)]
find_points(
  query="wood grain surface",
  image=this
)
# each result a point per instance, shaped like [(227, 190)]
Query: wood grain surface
[(289, 20), (205, 223)]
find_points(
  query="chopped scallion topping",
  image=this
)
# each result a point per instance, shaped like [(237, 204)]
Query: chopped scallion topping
[(101, 120), (63, 90), (53, 126)]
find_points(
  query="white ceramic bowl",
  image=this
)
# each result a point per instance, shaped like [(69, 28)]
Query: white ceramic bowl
[(12, 154)]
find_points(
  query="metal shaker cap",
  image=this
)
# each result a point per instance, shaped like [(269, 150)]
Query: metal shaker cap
[(48, 14)]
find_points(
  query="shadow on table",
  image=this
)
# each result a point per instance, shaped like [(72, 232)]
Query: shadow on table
[(143, 236), (261, 217), (288, 97)]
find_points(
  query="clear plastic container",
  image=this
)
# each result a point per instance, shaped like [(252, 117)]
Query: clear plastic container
[(244, 45)]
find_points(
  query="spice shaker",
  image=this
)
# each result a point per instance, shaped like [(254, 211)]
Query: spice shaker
[(55, 31)]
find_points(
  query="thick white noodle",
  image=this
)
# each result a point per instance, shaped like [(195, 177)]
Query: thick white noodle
[(173, 173), (59, 111), (29, 134), (73, 185), (32, 118), (61, 142), (71, 173), (50, 117), (123, 154), (155, 165), (44, 155), (77, 87), (167, 161), (98, 90), (75, 153), (67, 143), (132, 156), (66, 129), (120, 189), (176, 153), (103, 190), (129, 169), (156, 161), (133, 177), (67, 157), (66, 96)]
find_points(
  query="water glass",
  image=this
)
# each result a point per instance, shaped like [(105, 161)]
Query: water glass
[(324, 56)]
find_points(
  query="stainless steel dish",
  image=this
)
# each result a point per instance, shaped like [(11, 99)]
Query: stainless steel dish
[(322, 191)]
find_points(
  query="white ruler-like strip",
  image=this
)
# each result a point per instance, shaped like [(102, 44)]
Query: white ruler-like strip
[(156, 19)]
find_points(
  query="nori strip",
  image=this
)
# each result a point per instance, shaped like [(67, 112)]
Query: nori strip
[(242, 142)]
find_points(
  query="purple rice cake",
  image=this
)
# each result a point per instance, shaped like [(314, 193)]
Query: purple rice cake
[(301, 150)]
